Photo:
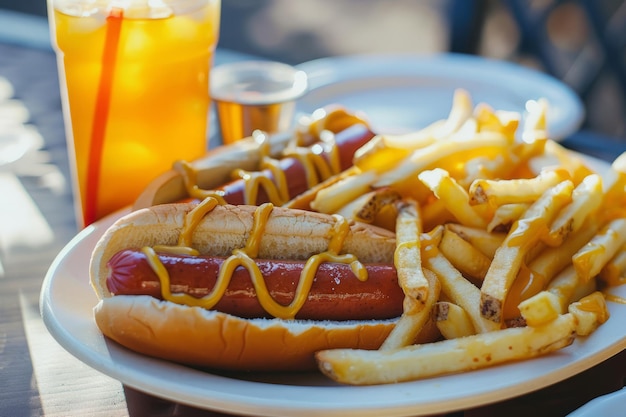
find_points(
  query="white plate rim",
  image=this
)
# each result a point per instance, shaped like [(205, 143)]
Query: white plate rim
[(565, 116), (611, 404)]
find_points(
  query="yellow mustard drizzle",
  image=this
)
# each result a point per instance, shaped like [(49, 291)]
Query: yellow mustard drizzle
[(280, 178), (316, 166), (193, 218), (190, 178), (261, 215), (190, 223), (244, 257), (277, 191), (309, 162), (253, 181)]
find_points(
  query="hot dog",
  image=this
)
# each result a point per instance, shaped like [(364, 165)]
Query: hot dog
[(191, 330), (335, 293), (267, 169)]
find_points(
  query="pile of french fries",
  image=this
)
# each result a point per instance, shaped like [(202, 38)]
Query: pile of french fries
[(505, 240)]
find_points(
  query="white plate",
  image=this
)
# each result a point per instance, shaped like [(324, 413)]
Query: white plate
[(609, 405), (67, 301), (407, 92)]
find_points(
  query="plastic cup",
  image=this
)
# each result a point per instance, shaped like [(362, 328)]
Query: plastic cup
[(255, 95), (134, 78)]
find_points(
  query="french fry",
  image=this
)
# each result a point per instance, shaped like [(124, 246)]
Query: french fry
[(586, 199), (435, 213), (303, 201), (420, 286), (499, 192), (377, 155), (568, 287), (552, 259), (460, 112), (427, 157), (506, 164), (480, 168), (471, 262), (367, 367), (381, 198), (350, 210), (468, 129), (540, 309), (368, 206), (481, 239), (514, 164), (417, 139), (543, 268), (460, 291), (330, 199), (591, 311), (583, 289), (525, 153), (454, 197), (567, 160), (497, 121), (407, 257), (590, 259), (452, 321), (459, 116), (414, 317), (508, 259), (438, 130), (505, 215), (613, 273)]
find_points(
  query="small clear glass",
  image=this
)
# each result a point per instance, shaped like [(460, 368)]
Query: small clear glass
[(255, 95)]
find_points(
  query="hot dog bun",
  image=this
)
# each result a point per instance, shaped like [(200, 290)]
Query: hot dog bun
[(199, 337)]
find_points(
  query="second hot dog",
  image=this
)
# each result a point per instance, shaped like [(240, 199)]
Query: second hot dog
[(261, 172)]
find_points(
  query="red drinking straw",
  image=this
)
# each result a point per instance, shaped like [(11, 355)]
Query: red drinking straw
[(101, 113)]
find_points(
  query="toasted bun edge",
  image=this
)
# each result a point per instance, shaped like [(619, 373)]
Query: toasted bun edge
[(210, 339)]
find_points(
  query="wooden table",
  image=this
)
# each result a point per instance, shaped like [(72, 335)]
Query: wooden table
[(37, 376)]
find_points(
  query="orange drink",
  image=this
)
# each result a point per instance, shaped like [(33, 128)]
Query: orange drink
[(135, 88)]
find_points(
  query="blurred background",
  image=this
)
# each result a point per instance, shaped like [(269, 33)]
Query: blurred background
[(582, 42)]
